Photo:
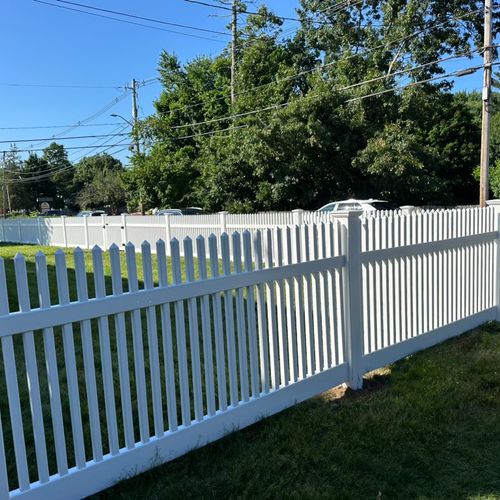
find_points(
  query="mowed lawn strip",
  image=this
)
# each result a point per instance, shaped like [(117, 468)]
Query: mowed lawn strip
[(425, 427)]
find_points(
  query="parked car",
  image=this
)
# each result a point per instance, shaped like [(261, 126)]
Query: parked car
[(180, 211), (365, 205), (91, 213), (169, 211), (52, 213)]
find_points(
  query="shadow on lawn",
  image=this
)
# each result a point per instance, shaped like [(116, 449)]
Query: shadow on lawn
[(426, 427)]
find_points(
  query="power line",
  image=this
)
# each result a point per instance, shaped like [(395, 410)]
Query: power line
[(64, 139), (168, 23), (246, 12), (56, 86), (212, 132), (129, 22), (465, 71), (119, 129), (324, 65), (95, 115), (31, 150), (336, 8), (341, 89), (37, 127)]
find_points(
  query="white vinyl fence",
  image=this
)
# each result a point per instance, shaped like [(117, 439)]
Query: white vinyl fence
[(114, 377), (86, 232)]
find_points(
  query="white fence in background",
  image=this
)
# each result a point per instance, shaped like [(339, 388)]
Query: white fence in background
[(143, 375), (86, 232)]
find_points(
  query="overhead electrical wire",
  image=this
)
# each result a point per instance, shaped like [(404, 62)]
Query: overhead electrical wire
[(14, 141), (100, 142), (129, 22), (469, 70), (336, 8), (62, 86), (60, 170), (38, 127), (95, 115), (341, 89), (31, 150), (159, 21), (321, 66), (463, 72)]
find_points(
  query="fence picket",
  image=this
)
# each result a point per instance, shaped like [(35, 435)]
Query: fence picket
[(308, 312), (138, 346), (240, 321), (206, 328), (154, 359), (229, 321), (166, 329), (88, 358), (290, 310), (32, 372), (220, 360), (299, 303), (272, 322), (194, 343), (281, 312), (316, 302), (122, 350), (70, 363), (10, 370), (180, 329), (51, 367), (105, 348), (261, 313), (252, 326)]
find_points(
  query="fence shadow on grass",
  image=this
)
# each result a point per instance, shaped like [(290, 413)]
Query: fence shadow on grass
[(85, 406), (426, 427)]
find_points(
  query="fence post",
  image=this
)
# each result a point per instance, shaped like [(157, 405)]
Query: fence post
[(223, 222), (86, 232), (407, 209), (104, 236), (298, 217), (495, 204), (124, 230), (168, 233), (65, 233), (39, 224), (353, 293), (20, 230)]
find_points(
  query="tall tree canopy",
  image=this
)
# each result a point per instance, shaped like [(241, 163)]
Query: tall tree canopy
[(305, 127)]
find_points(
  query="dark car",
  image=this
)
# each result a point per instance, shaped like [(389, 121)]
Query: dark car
[(52, 213)]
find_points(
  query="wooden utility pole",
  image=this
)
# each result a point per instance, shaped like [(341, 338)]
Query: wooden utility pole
[(234, 32), (134, 111), (485, 127)]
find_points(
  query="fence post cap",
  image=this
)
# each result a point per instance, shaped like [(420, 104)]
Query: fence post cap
[(493, 203), (223, 212), (297, 210), (350, 214)]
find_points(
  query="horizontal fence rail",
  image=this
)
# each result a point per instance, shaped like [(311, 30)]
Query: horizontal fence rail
[(114, 361)]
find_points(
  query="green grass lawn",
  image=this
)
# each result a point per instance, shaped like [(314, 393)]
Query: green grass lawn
[(425, 427)]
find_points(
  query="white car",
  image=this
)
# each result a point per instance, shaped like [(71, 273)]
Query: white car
[(366, 205)]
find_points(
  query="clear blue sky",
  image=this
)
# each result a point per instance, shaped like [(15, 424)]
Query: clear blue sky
[(45, 45)]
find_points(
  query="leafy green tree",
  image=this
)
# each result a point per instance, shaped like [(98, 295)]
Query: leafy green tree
[(86, 169), (105, 190), (56, 157), (311, 142)]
